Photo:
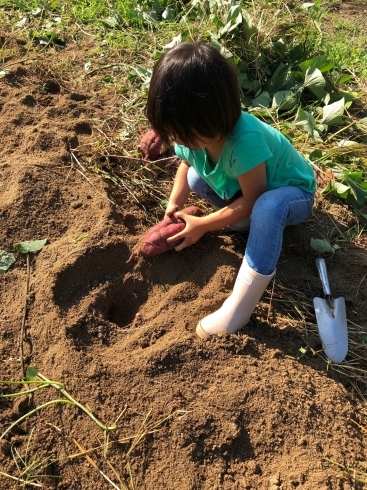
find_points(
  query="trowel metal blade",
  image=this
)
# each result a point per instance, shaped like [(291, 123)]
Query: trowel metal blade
[(332, 325)]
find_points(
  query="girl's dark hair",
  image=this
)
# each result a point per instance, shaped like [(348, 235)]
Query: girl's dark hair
[(193, 92)]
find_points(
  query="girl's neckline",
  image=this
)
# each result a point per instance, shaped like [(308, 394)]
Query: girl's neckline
[(214, 151)]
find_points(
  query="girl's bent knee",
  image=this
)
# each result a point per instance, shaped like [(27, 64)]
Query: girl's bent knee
[(194, 181), (286, 205)]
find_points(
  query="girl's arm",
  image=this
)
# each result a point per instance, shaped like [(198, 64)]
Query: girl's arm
[(180, 191), (253, 184)]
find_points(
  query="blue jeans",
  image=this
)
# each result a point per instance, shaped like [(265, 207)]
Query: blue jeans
[(272, 212)]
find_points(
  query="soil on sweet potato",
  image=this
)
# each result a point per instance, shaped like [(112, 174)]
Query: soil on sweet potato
[(247, 411)]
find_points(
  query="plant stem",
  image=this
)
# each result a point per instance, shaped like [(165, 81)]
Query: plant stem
[(31, 382), (22, 328), (79, 405), (52, 402), (21, 480), (344, 128), (20, 393)]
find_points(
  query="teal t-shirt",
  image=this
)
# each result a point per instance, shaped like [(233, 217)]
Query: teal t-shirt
[(251, 143)]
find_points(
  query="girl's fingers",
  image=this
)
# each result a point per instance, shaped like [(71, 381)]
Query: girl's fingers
[(186, 243), (174, 237), (171, 210)]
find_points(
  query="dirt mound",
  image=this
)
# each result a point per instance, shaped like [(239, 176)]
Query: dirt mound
[(236, 412)]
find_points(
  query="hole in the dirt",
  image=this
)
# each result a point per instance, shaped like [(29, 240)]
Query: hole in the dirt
[(73, 142), (29, 101), (78, 97), (51, 87), (115, 304), (15, 77), (93, 270), (83, 128), (114, 314), (122, 314), (120, 302)]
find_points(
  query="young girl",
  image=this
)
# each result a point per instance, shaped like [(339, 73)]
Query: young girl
[(247, 170)]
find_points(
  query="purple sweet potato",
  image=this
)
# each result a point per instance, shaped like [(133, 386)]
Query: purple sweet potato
[(151, 145), (154, 242)]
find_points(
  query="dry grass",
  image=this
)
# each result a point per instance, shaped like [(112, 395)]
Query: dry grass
[(298, 308)]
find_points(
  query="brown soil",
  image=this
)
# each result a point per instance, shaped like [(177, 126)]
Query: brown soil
[(247, 411), (351, 12)]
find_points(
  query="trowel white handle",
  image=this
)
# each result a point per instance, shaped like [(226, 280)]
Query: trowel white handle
[(321, 268)]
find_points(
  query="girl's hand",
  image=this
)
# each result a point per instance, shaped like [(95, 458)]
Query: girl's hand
[(171, 209), (193, 231)]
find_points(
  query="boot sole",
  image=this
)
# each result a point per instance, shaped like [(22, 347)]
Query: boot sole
[(201, 332), (205, 335)]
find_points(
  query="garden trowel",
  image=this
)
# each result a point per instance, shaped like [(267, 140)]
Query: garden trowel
[(331, 319)]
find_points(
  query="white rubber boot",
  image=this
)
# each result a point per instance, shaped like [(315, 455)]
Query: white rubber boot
[(242, 225), (237, 309)]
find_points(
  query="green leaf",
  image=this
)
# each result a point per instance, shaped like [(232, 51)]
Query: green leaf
[(305, 121), (234, 19), (251, 86), (297, 53), (322, 63), (233, 13), (111, 22), (107, 79), (175, 41), (262, 100), (32, 372), (358, 193), (279, 47), (151, 16), (6, 260), (348, 96), (242, 78), (362, 123), (315, 82), (323, 245), (316, 136), (280, 76), (332, 114), (259, 112), (340, 188), (337, 188), (223, 51), (30, 247), (315, 155), (169, 14), (363, 336), (143, 72), (355, 175), (343, 78), (248, 26), (285, 100)]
